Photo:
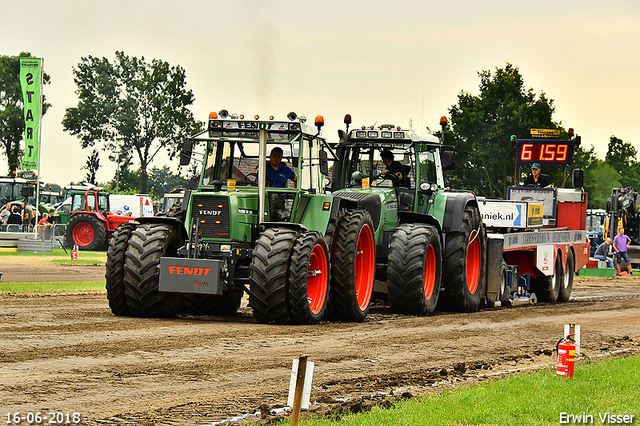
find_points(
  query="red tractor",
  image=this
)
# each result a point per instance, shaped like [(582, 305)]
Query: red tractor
[(91, 223)]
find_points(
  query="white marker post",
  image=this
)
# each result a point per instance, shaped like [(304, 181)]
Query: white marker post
[(300, 387)]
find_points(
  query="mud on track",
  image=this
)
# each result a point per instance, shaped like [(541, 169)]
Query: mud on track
[(68, 353)]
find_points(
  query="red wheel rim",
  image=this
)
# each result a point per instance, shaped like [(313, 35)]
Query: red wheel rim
[(317, 279), (473, 262), (83, 234), (429, 272), (364, 267)]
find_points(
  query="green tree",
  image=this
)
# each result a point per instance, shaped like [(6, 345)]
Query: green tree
[(91, 166), (125, 179), (163, 180), (599, 179), (12, 108), (623, 158), (482, 125), (131, 105)]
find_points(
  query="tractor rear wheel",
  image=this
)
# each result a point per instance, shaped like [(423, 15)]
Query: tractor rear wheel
[(354, 262), (464, 264), (269, 273), (309, 278), (115, 268), (547, 288), (87, 231), (567, 282), (147, 244), (415, 269)]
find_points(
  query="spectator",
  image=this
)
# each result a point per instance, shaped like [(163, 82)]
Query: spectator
[(26, 217), (4, 215), (620, 243), (602, 253), (14, 219), (43, 227)]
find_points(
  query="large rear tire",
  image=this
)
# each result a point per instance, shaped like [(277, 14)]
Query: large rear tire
[(309, 278), (547, 288), (415, 270), (115, 268), (567, 281), (269, 274), (147, 244), (87, 231), (464, 264), (354, 262)]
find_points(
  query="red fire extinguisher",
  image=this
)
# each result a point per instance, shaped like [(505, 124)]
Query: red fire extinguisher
[(566, 356)]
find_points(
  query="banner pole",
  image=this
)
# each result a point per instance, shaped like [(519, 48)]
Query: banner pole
[(37, 202)]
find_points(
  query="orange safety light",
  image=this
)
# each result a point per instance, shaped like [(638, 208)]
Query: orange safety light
[(443, 121), (319, 121), (347, 119), (220, 206), (363, 127), (241, 116), (271, 117), (203, 221), (570, 132), (256, 116), (213, 115), (200, 205), (326, 205), (371, 127), (218, 222), (398, 128)]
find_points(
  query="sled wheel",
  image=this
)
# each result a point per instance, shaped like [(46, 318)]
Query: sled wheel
[(547, 288), (269, 274), (464, 264), (415, 269), (567, 282), (147, 244), (309, 278), (353, 266), (115, 268)]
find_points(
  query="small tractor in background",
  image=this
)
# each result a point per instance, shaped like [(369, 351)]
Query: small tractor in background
[(239, 233), (622, 211)]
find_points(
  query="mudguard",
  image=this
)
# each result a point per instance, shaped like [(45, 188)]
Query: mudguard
[(454, 210)]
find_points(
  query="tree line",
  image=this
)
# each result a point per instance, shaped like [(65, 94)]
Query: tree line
[(133, 109)]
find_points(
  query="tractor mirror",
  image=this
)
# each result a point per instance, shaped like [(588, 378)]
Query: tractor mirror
[(577, 178), (324, 166), (185, 153), (448, 159)]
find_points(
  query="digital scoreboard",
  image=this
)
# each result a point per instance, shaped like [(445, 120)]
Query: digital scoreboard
[(544, 151)]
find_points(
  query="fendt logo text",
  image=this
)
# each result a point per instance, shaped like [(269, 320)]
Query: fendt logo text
[(185, 270), (209, 212)]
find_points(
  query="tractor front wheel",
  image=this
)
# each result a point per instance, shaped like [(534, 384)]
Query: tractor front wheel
[(354, 263), (115, 268), (309, 278), (147, 244), (415, 269), (464, 264)]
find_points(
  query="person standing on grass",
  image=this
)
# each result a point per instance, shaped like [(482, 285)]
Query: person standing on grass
[(620, 243)]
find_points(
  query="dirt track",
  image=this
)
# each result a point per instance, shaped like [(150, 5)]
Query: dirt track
[(68, 353)]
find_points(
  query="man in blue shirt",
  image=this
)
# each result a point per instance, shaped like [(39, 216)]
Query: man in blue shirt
[(277, 172)]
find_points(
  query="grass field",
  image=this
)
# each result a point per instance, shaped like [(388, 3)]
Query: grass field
[(54, 287), (598, 390), (58, 255)]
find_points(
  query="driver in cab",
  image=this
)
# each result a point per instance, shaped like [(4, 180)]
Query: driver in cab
[(537, 179), (394, 170), (278, 172)]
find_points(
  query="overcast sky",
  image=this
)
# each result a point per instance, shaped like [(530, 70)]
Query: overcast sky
[(384, 61)]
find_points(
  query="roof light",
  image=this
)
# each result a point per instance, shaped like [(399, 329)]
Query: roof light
[(292, 116), (271, 117), (302, 119), (241, 116), (223, 113), (361, 134), (347, 119), (363, 127), (398, 128), (319, 121), (443, 121), (213, 115), (570, 132), (256, 117), (386, 134)]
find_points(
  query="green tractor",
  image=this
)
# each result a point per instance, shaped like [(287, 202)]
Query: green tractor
[(286, 243), (430, 241)]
